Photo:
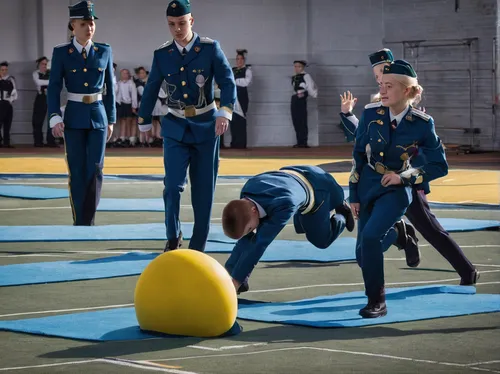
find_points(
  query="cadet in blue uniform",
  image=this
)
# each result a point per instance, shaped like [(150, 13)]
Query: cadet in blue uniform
[(348, 120), (85, 67), (192, 127), (396, 148), (419, 212), (269, 200)]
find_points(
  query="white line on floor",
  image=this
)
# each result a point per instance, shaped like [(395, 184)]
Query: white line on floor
[(469, 246), (484, 363), (255, 291), (361, 284), (145, 365), (67, 310), (227, 347), (49, 365), (125, 182), (68, 207), (356, 353)]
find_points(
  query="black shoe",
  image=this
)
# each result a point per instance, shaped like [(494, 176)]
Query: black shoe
[(374, 309), (244, 287), (173, 244), (407, 240), (346, 211), (471, 280)]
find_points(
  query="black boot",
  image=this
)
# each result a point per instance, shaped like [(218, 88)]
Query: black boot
[(471, 279), (174, 243), (346, 211), (376, 306), (407, 240)]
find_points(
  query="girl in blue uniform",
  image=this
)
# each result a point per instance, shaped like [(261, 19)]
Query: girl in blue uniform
[(396, 148)]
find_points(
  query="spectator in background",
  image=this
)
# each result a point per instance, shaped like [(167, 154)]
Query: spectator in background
[(126, 99), (243, 78), (8, 94), (41, 79), (303, 86)]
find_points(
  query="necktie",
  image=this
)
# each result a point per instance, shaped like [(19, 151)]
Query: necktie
[(184, 51), (84, 53), (394, 124)]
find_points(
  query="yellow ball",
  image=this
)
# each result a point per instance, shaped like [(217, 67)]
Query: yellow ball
[(185, 292)]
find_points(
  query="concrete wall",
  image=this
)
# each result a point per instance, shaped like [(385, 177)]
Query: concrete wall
[(334, 36)]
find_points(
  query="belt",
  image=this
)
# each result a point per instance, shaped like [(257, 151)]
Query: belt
[(84, 98), (382, 169), (307, 186), (191, 111)]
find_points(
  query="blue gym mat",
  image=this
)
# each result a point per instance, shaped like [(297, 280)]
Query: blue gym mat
[(404, 304), (156, 231), (32, 192), (143, 231), (134, 263), (156, 204)]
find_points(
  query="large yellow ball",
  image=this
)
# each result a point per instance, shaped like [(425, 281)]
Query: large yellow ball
[(185, 292)]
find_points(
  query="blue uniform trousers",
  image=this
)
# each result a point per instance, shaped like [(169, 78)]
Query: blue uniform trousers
[(203, 162), (85, 158), (376, 234)]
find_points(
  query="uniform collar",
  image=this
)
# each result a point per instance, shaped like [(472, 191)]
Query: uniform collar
[(190, 44), (400, 116), (5, 78), (79, 47), (262, 212)]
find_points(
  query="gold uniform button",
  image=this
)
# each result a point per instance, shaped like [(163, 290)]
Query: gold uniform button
[(100, 69), (186, 96), (74, 70), (85, 84), (381, 153), (182, 68), (84, 70), (379, 140), (183, 83)]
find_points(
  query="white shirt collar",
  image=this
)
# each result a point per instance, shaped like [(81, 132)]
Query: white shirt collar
[(79, 47), (188, 47), (262, 212), (400, 116)]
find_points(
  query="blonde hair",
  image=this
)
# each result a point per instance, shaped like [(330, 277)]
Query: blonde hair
[(415, 94)]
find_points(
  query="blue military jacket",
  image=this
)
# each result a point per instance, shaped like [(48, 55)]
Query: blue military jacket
[(82, 77), (190, 82), (413, 150)]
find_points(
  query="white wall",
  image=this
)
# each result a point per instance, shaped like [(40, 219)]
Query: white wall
[(335, 36)]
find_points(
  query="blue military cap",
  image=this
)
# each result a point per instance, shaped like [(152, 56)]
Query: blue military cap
[(302, 62), (379, 57), (400, 67), (82, 10), (178, 8)]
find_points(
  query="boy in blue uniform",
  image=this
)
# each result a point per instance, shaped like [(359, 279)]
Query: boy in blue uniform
[(85, 67), (396, 148), (266, 204), (192, 127)]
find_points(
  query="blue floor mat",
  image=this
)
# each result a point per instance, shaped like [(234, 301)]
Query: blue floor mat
[(403, 304), (156, 231), (33, 192), (135, 262), (428, 302), (156, 204), (144, 231), (108, 325)]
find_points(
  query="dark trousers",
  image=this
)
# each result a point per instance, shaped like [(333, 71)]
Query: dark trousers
[(6, 113), (299, 118), (420, 215), (203, 162), (39, 113), (238, 132), (85, 158)]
